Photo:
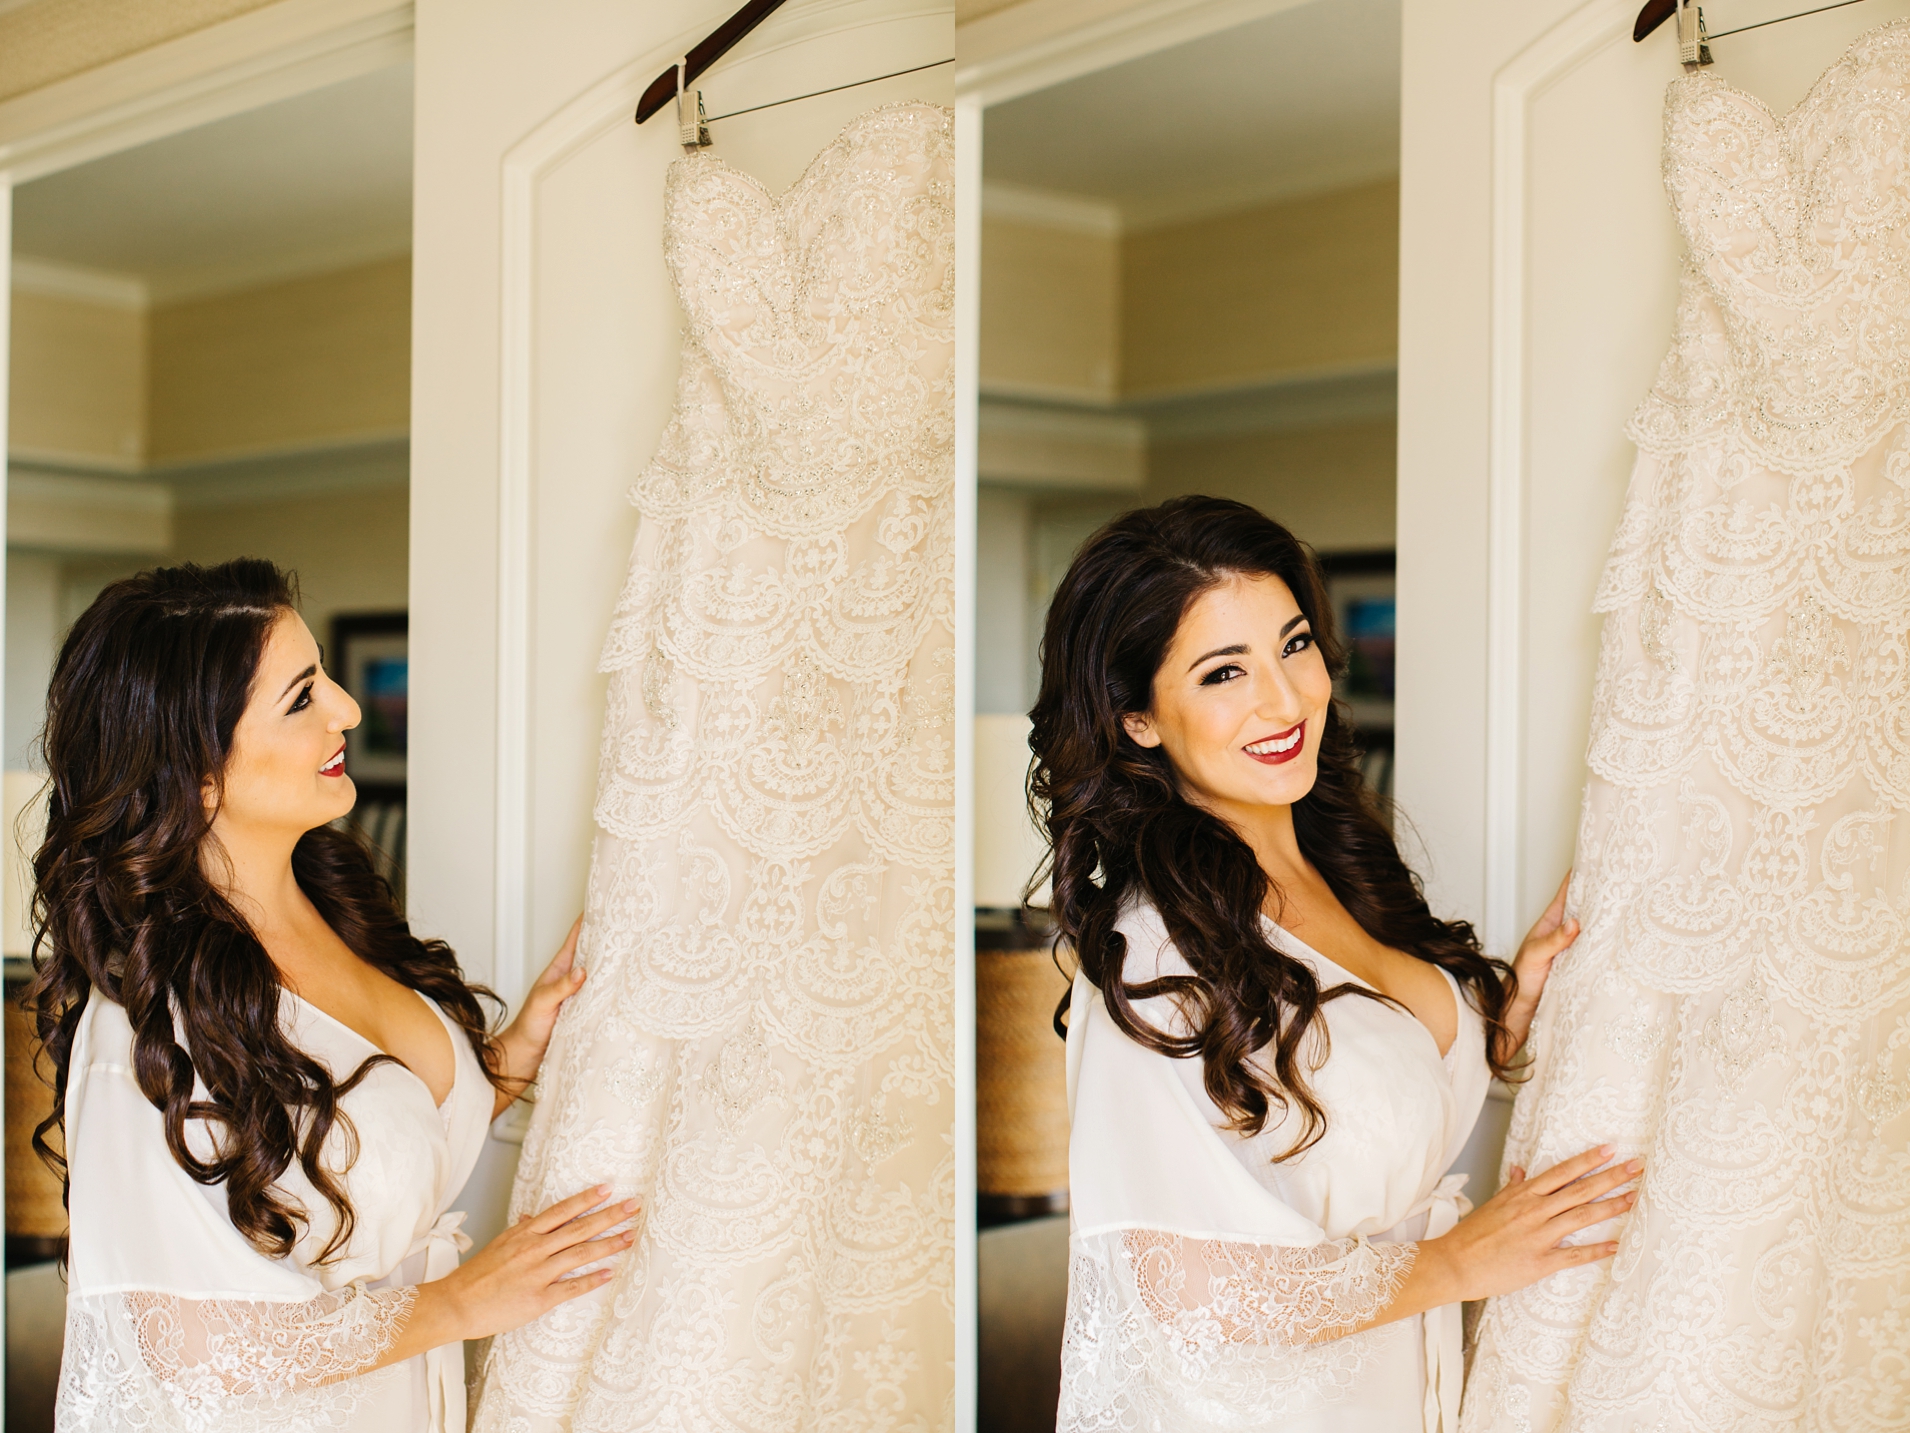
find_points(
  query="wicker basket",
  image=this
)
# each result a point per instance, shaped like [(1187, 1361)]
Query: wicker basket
[(1021, 1082), (35, 1216)]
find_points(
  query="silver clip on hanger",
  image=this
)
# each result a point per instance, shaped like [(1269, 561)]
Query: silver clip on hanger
[(1692, 50), (692, 128)]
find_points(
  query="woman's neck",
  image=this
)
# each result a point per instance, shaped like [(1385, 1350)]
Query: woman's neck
[(253, 870), (1268, 832)]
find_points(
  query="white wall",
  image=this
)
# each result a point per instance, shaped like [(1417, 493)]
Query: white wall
[(1002, 601)]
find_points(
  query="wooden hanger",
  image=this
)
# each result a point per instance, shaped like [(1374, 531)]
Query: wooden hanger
[(706, 52), (1656, 12)]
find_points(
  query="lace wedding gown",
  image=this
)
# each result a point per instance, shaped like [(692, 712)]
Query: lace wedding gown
[(175, 1324), (1211, 1290), (1737, 1010), (763, 1053)]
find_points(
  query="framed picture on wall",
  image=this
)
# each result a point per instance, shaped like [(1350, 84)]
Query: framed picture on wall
[(1363, 587), (370, 658)]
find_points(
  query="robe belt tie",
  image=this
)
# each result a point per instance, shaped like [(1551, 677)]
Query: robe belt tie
[(442, 1245), (1445, 1325)]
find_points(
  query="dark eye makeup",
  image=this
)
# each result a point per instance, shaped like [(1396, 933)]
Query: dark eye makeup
[(302, 700), (1229, 671)]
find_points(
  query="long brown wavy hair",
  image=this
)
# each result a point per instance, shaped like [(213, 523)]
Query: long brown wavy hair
[(146, 693), (1119, 828)]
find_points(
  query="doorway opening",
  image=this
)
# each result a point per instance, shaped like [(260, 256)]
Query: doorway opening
[(210, 358), (1189, 284)]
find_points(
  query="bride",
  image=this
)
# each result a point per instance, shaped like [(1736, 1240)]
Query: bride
[(268, 1090), (1275, 1050)]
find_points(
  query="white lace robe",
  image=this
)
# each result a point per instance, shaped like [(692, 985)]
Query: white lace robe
[(1209, 1288), (176, 1324)]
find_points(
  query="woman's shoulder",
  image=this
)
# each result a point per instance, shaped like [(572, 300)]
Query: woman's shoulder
[(1151, 952), (105, 1034)]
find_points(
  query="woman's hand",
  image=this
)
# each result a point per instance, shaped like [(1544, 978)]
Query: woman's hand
[(1543, 944), (526, 1271), (526, 1038), (1514, 1238)]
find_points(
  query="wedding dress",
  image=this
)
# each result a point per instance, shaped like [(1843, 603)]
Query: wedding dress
[(763, 1053), (175, 1324), (1737, 1009), (1210, 1289)]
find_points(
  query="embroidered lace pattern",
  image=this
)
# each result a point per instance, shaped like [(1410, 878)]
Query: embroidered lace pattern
[(1168, 1332), (155, 1361), (764, 1052), (1737, 1009)]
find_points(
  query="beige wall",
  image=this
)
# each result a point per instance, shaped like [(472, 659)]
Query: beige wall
[(1333, 486), (323, 358), (1308, 285), (1303, 287), (56, 39), (349, 549), (1050, 319), (77, 381)]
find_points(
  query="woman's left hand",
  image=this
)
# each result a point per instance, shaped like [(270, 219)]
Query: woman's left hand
[(526, 1038), (1550, 938)]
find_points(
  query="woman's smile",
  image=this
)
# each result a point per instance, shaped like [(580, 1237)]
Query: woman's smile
[(1284, 746), (336, 766)]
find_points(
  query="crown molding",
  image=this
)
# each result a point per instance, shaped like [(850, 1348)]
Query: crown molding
[(51, 511), (1037, 441), (1363, 394), (52, 278), (367, 463), (1039, 208), (360, 465), (1170, 211), (1050, 209), (265, 274)]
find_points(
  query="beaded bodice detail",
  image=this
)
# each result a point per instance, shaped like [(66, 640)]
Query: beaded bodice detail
[(1737, 1009), (763, 1053)]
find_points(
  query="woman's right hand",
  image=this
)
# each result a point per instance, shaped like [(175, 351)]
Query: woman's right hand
[(1515, 1237), (531, 1267)]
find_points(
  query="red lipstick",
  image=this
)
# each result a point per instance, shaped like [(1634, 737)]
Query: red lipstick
[(1280, 747)]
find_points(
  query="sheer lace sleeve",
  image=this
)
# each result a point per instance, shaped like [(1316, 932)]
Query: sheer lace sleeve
[(152, 1360), (1164, 1330), (242, 1346), (1263, 1293)]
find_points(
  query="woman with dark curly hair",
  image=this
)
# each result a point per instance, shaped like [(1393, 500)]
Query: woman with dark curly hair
[(1275, 1049), (268, 1090)]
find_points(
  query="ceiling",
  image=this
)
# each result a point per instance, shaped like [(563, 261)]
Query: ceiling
[(1303, 101), (318, 181)]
